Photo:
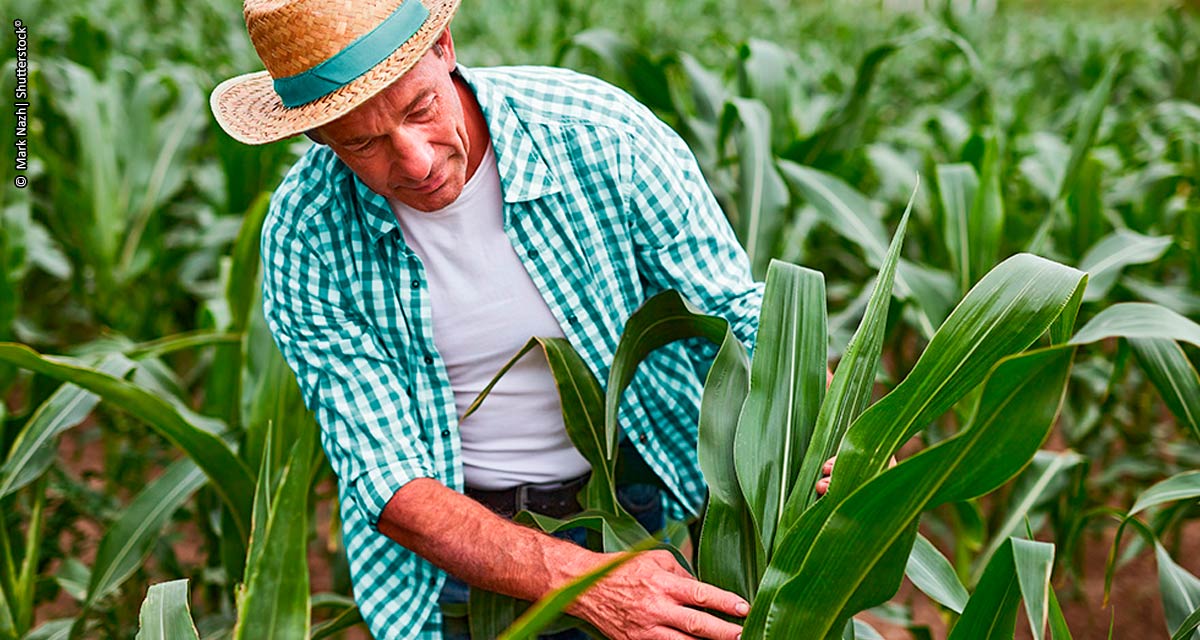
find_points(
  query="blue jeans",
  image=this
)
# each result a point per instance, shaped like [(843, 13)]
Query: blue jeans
[(642, 501)]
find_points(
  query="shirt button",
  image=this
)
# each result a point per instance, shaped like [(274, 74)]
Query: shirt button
[(416, 284), (533, 254), (572, 319), (643, 438), (433, 582), (445, 433), (428, 359)]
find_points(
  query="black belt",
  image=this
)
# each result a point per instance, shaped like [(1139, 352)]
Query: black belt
[(557, 500)]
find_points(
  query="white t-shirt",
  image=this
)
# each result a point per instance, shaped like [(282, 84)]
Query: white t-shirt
[(485, 307)]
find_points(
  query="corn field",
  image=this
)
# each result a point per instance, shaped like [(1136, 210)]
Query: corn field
[(983, 217)]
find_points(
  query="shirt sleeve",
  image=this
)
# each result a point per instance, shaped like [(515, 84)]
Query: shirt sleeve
[(355, 389), (684, 241)]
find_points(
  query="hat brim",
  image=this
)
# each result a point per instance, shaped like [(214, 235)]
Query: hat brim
[(250, 111)]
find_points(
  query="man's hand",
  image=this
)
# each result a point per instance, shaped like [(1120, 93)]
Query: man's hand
[(652, 598), (827, 474), (648, 598)]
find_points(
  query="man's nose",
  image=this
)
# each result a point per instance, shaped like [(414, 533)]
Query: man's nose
[(412, 155)]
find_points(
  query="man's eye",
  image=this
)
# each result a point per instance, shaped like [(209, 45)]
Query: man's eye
[(423, 111), (364, 146)]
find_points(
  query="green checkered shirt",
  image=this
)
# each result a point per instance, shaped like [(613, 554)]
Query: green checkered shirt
[(605, 206)]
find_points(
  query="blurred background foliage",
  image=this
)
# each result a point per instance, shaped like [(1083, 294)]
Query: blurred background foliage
[(1070, 128)]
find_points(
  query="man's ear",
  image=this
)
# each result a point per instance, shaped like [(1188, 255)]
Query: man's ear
[(443, 48)]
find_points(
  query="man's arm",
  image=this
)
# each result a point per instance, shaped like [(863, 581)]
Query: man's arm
[(649, 597)]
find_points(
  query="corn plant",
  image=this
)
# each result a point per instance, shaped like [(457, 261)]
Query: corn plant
[(767, 425), (259, 471)]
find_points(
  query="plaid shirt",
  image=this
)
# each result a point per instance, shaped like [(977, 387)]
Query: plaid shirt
[(605, 206)]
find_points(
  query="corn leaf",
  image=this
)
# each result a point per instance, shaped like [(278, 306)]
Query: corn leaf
[(1180, 592), (957, 188), (229, 476), (1187, 626), (1058, 623), (850, 390), (1023, 295), (349, 617), (1017, 408), (985, 226), (729, 554), (583, 414), (1120, 249), (1041, 482), (1173, 375), (165, 613), (1182, 486), (932, 573), (762, 195), (33, 451), (130, 539), (1138, 320), (661, 320), (854, 217), (787, 385), (274, 602)]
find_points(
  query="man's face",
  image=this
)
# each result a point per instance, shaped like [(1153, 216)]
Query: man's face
[(409, 142)]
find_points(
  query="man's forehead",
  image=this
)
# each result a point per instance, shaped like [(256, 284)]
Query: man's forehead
[(399, 97)]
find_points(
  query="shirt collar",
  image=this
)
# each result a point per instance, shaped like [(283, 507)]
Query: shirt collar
[(524, 173)]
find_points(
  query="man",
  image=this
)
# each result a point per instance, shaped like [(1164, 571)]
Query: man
[(445, 216)]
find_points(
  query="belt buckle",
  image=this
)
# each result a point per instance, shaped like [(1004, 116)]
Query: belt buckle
[(521, 499)]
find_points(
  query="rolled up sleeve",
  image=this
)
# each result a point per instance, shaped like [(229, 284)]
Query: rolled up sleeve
[(357, 392)]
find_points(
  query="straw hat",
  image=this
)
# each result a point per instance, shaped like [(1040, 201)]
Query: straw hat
[(323, 59)]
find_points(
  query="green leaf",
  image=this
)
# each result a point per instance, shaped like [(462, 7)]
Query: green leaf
[(835, 548), (1138, 320), (1058, 623), (852, 216), (729, 554), (1003, 314), (957, 187), (583, 415), (51, 630), (850, 390), (1081, 144), (33, 451), (165, 613), (787, 385), (991, 613), (763, 197), (229, 476), (931, 572), (349, 617), (1173, 375), (661, 320), (1180, 591), (1120, 249), (1182, 486), (492, 613), (1034, 562), (1187, 626), (1045, 478), (274, 603), (842, 129), (130, 539), (985, 226)]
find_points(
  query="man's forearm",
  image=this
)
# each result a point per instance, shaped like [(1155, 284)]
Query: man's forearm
[(484, 550)]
